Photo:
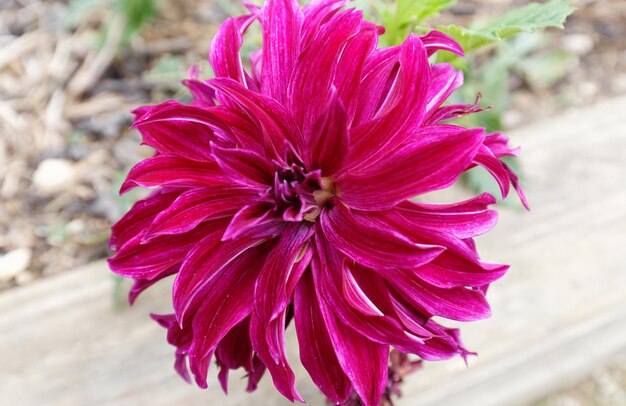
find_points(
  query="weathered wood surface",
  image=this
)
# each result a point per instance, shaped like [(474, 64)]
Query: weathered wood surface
[(560, 312)]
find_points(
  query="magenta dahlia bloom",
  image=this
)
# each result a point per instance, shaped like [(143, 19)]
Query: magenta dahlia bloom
[(283, 192)]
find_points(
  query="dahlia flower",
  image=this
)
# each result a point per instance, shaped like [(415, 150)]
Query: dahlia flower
[(283, 192)]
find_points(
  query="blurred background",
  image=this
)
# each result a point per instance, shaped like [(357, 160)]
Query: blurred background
[(70, 72)]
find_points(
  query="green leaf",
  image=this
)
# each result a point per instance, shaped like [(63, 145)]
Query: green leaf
[(401, 18), (529, 18), (418, 11)]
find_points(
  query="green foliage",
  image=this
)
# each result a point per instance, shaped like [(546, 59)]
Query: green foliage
[(402, 16), (137, 14), (530, 18)]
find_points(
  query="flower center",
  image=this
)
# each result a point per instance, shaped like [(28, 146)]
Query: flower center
[(300, 194)]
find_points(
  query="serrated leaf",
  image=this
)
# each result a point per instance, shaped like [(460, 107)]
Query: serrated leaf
[(529, 18)]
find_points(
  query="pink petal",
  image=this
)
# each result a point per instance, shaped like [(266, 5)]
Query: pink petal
[(464, 220), (357, 236), (250, 216), (459, 304), (400, 113), (196, 206), (203, 264), (445, 80), (222, 306), (379, 72), (141, 285), (328, 269), (224, 54), (349, 70), (329, 139), (438, 41), (173, 171), (433, 159), (276, 123), (316, 349), (162, 126), (316, 13), (133, 225), (452, 271), (270, 294), (310, 85), (244, 166), (282, 24), (149, 260), (282, 374), (362, 360)]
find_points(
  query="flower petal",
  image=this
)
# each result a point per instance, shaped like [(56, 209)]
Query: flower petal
[(173, 171), (244, 166), (196, 206), (310, 86), (329, 139), (464, 220), (459, 304), (275, 122), (362, 360), (400, 113), (358, 237), (438, 41), (282, 24), (270, 293), (282, 374), (203, 264), (222, 306), (445, 80), (433, 159), (149, 260), (133, 225), (316, 350), (224, 54)]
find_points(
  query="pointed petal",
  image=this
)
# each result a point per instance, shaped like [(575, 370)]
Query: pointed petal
[(357, 236), (459, 304), (351, 65), (141, 285), (316, 349), (275, 122), (249, 216), (203, 264), (173, 171), (445, 80), (224, 54), (277, 364), (282, 24), (329, 139), (434, 158), (133, 225), (270, 293), (244, 166), (316, 13), (400, 114), (149, 260), (196, 206), (310, 86), (438, 41), (362, 360), (464, 220), (226, 302), (163, 125)]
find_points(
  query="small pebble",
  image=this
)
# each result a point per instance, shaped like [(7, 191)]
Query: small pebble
[(14, 263)]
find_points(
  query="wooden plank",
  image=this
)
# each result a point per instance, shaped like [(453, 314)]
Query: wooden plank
[(557, 314)]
